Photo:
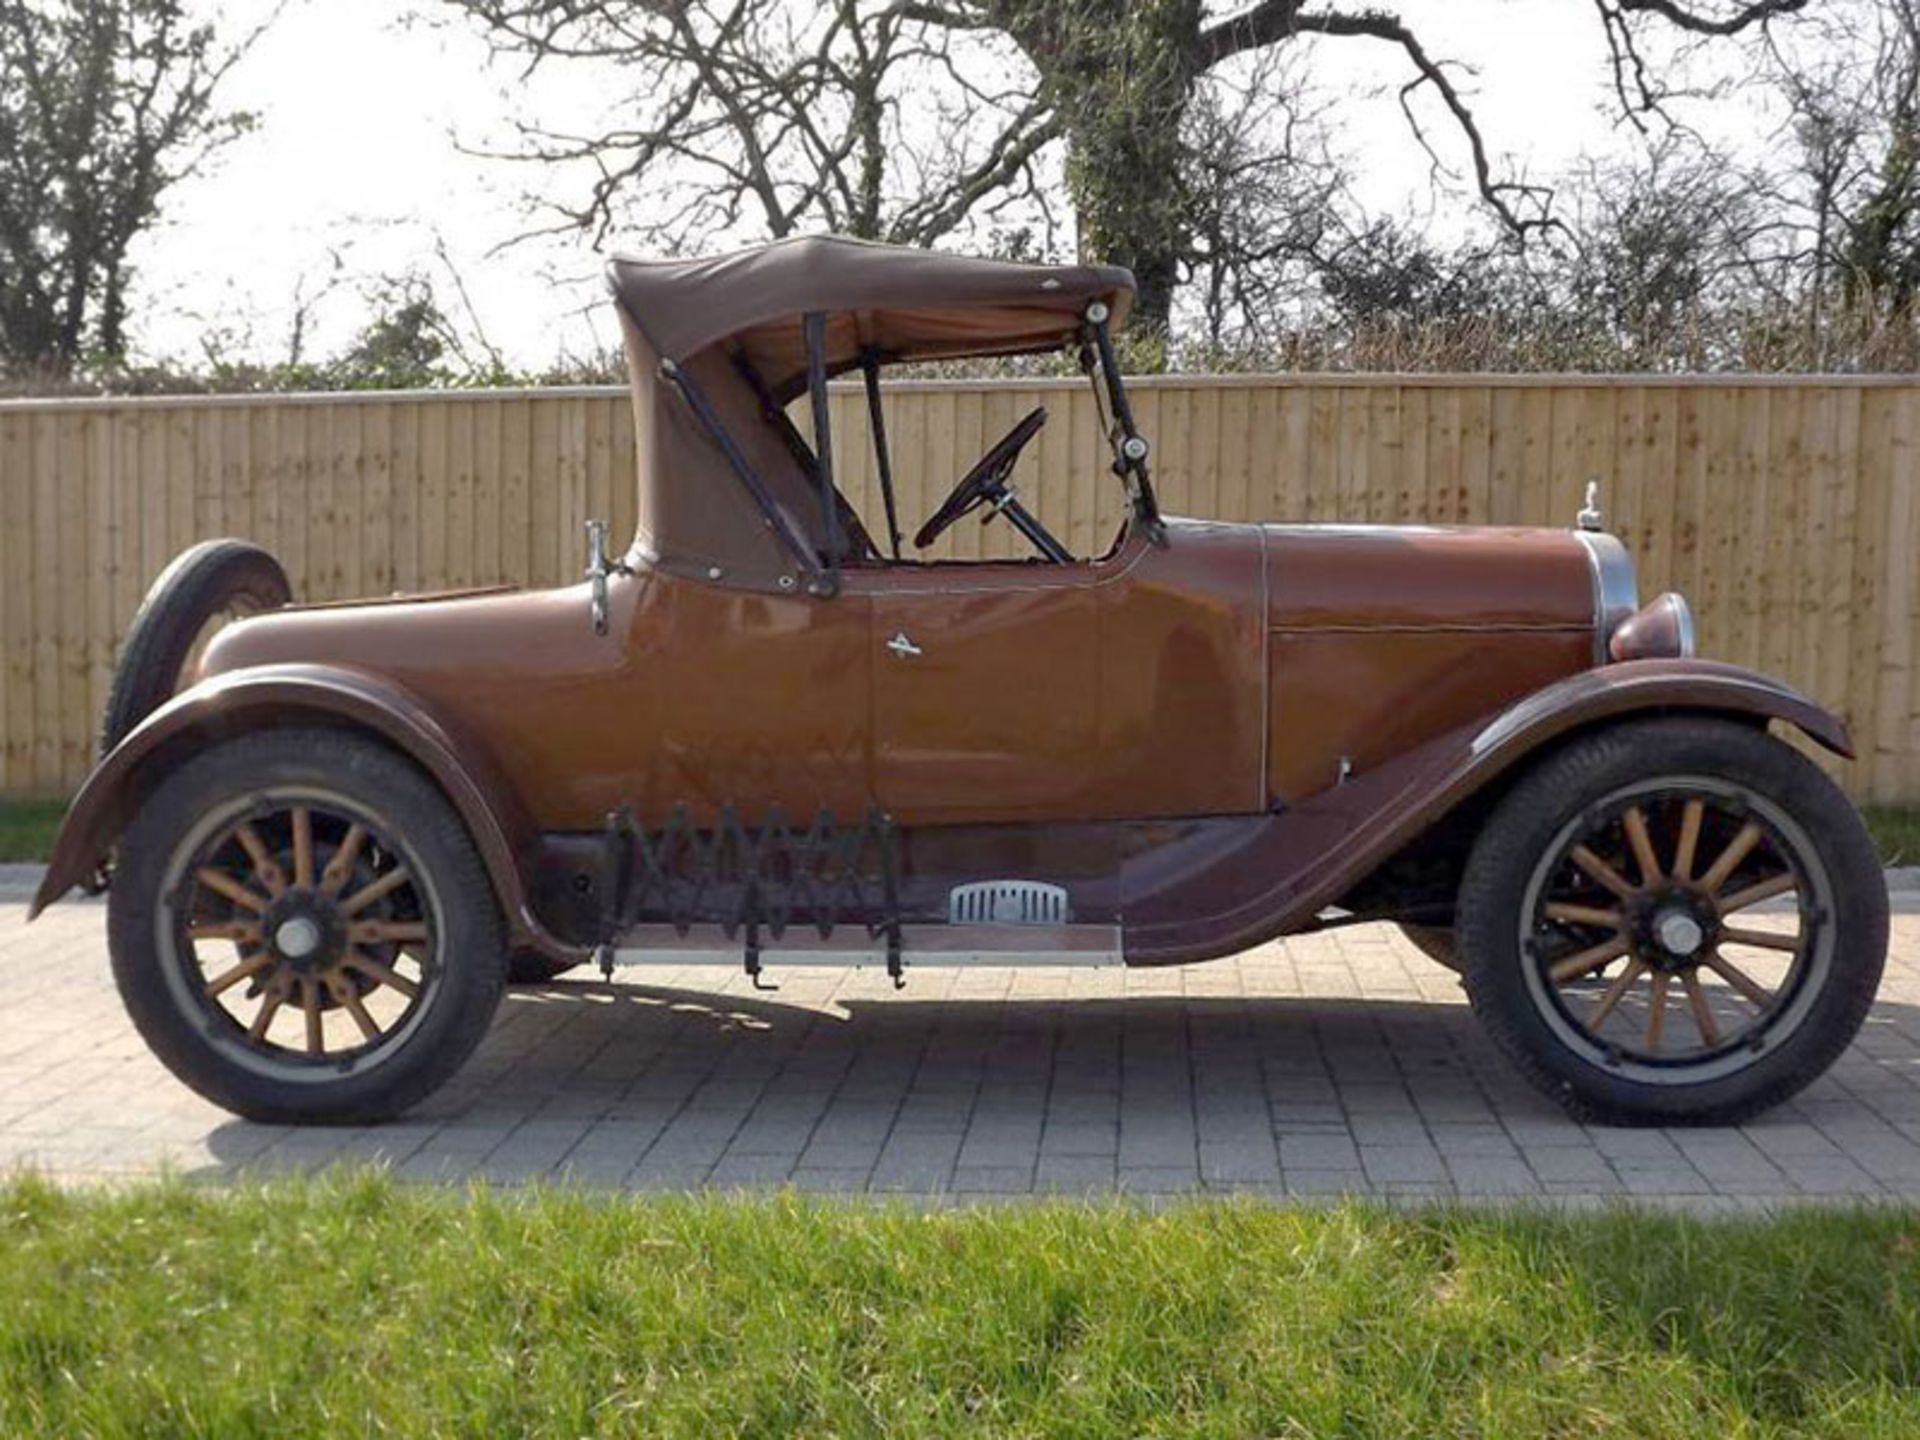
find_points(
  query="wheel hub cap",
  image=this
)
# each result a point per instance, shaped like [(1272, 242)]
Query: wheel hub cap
[(1679, 933), (297, 938)]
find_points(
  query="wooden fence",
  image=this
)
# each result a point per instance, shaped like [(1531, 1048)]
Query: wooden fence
[(1784, 508)]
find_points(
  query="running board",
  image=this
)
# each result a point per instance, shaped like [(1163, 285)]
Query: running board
[(942, 945)]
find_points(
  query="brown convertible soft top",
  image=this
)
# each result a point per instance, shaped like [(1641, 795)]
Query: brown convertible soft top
[(716, 318), (904, 303)]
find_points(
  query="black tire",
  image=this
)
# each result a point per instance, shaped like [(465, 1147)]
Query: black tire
[(408, 824), (211, 578), (1519, 987), (530, 967)]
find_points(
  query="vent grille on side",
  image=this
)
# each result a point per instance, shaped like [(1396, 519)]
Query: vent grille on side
[(1008, 902)]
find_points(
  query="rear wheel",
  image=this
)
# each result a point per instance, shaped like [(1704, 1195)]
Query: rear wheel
[(1674, 921), (302, 930), (204, 589)]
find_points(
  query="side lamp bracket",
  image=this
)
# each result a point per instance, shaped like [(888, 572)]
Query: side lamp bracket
[(599, 570)]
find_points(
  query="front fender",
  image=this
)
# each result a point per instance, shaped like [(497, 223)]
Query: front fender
[(1641, 685), (1287, 867), (277, 694)]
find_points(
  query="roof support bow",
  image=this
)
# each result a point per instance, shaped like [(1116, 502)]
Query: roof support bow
[(815, 324)]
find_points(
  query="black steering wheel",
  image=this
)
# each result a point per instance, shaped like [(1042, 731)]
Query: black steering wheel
[(987, 480)]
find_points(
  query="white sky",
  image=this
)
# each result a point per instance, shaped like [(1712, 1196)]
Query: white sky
[(360, 110)]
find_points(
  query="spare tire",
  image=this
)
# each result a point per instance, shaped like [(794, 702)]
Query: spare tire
[(205, 587)]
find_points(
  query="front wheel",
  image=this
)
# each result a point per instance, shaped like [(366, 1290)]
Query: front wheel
[(302, 930), (1673, 921)]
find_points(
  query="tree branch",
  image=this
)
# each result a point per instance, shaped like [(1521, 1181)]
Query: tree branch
[(1380, 25), (1743, 16), (1265, 24)]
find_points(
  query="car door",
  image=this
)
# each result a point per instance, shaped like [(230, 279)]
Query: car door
[(734, 698), (985, 690)]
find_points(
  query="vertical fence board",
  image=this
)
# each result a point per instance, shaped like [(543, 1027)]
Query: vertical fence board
[(102, 547), (16, 594), (376, 491), (72, 591), (488, 487), (1903, 537)]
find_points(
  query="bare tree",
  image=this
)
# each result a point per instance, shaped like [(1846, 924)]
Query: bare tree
[(104, 104), (1842, 189), (1266, 202), (781, 117), (1665, 249), (1876, 245)]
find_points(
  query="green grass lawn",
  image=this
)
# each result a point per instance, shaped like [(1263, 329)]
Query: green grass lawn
[(27, 827), (349, 1305), (1896, 831)]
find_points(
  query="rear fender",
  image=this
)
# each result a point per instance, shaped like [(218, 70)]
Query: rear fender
[(1295, 863), (246, 699)]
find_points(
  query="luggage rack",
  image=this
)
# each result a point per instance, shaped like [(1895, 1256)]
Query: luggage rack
[(827, 894)]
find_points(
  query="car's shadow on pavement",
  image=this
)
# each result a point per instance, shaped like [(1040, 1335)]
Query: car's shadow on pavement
[(661, 1088)]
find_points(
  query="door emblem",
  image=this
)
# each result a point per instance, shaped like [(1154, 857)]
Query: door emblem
[(902, 646)]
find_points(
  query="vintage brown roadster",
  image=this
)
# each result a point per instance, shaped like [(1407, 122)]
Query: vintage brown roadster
[(768, 735)]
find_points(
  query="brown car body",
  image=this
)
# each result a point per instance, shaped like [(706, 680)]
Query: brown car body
[(1206, 737)]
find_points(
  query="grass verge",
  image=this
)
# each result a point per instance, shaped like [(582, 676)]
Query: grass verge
[(350, 1305), (27, 828), (1896, 833)]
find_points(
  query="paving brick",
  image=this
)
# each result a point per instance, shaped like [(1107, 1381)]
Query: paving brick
[(1159, 1179), (1833, 1174), (1370, 1128), (1654, 1178), (1319, 1152), (1239, 1164), (1402, 1164), (1082, 1139), (750, 1171), (1571, 1165), (1326, 1182), (992, 1179), (1488, 1142), (1484, 1175), (829, 1180), (1074, 1174)]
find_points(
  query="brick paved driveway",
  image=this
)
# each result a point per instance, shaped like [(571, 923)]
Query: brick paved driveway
[(1341, 1063)]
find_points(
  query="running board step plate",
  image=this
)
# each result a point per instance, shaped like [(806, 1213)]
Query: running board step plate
[(931, 945)]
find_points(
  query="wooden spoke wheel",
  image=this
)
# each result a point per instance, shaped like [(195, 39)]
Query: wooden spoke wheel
[(1671, 930), (302, 928), (1672, 921), (307, 932)]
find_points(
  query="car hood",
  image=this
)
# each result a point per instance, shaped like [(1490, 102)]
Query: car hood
[(1380, 577)]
